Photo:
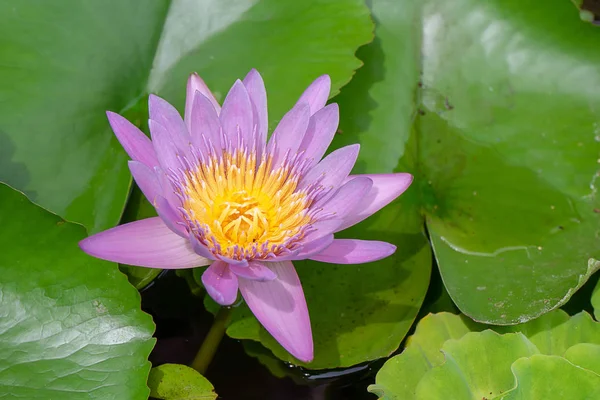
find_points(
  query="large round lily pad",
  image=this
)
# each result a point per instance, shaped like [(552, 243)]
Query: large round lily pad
[(70, 325)]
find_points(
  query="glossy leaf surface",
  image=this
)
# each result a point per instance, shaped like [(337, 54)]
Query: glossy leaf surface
[(71, 325)]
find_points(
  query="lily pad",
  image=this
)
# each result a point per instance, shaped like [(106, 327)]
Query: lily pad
[(585, 355), (556, 332), (552, 378), (503, 137), (56, 144), (70, 325), (552, 334), (510, 196), (476, 366), (481, 365), (179, 382), (399, 376)]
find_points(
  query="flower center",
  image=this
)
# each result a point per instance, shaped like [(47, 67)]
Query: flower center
[(245, 209)]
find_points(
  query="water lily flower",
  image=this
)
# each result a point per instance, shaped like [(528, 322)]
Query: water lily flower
[(247, 207)]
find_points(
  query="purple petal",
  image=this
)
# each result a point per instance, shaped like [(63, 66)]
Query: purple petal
[(280, 307), (135, 143), (167, 188), (166, 150), (354, 251), (196, 84), (346, 198), (232, 261), (167, 116), (255, 271), (320, 132), (258, 96), (317, 93), (386, 187), (146, 180), (169, 216), (145, 243), (236, 115), (289, 133), (307, 250), (333, 169), (221, 284), (322, 229), (201, 249), (204, 124)]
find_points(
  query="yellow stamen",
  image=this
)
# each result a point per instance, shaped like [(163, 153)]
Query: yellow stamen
[(244, 204)]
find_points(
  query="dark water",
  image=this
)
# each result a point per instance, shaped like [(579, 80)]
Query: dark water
[(182, 323)]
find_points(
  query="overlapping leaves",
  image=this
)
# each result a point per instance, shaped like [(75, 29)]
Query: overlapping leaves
[(551, 358)]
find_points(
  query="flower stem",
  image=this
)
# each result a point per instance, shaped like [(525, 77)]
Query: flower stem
[(211, 341)]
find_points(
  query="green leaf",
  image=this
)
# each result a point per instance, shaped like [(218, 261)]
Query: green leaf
[(509, 195), (55, 86), (362, 312), (502, 140), (552, 378), (555, 332), (585, 355), (476, 366), (71, 325), (491, 232), (56, 144), (179, 382), (399, 376), (551, 334)]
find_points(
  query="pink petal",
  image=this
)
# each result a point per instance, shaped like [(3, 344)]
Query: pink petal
[(169, 216), (308, 249), (386, 187), (232, 261), (165, 114), (167, 188), (204, 124), (146, 180), (321, 129), (322, 229), (317, 93), (236, 115), (280, 307), (220, 283), (289, 133), (201, 249), (333, 169), (165, 148), (354, 251), (258, 96), (145, 243), (196, 84), (255, 271), (168, 117), (135, 143), (346, 198)]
